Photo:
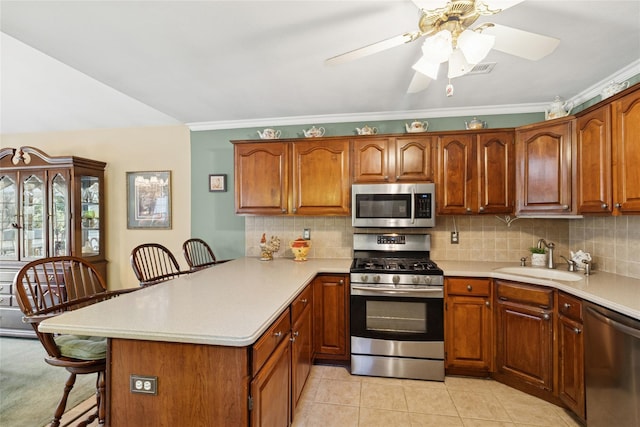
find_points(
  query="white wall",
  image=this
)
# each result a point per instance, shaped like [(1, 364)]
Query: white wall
[(128, 150)]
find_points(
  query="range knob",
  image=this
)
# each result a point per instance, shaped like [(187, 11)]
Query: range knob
[(396, 279), (415, 280), (376, 278), (364, 278), (427, 280)]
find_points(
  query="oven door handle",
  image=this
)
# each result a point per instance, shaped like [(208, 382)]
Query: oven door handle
[(413, 205), (412, 292)]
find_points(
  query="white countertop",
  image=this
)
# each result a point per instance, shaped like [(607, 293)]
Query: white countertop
[(234, 303)]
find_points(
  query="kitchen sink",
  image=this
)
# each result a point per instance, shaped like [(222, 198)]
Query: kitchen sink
[(542, 273)]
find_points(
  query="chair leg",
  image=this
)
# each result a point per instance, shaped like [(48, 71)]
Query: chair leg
[(101, 398), (63, 402)]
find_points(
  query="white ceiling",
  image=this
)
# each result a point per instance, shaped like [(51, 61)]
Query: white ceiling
[(70, 65)]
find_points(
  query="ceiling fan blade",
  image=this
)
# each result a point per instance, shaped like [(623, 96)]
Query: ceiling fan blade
[(419, 82), (521, 43), (373, 48)]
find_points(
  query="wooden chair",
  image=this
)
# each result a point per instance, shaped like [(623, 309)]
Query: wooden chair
[(153, 263), (49, 287), (199, 254)]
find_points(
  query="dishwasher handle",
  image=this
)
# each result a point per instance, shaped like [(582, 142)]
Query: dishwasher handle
[(616, 325)]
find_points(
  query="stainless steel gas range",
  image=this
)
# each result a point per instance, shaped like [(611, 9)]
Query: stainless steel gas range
[(397, 307)]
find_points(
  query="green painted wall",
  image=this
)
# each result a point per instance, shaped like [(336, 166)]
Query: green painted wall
[(213, 215)]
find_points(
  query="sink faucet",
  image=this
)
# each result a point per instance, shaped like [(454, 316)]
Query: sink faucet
[(549, 246)]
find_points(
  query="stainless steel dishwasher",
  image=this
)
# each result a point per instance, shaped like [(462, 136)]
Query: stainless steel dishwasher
[(612, 368)]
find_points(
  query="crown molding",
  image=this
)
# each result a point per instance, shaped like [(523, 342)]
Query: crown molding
[(629, 71)]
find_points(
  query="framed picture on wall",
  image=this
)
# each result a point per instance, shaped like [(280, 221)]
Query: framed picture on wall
[(218, 182), (149, 200)]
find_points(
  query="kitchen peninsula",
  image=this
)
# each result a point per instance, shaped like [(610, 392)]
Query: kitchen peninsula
[(195, 333)]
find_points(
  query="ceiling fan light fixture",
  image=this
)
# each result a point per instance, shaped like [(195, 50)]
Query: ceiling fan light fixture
[(475, 46), (427, 67), (458, 65), (438, 47)]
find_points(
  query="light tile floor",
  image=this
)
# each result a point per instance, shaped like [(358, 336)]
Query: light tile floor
[(333, 397)]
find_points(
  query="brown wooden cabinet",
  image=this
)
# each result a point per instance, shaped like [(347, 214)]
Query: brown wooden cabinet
[(626, 153), (544, 166), (524, 337), (571, 387), (476, 173), (49, 206), (393, 159), (593, 157), (468, 326), (331, 317), (300, 177), (302, 343)]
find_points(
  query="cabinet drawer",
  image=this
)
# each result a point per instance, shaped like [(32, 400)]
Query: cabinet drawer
[(5, 289), (524, 294), (6, 276), (268, 342), (570, 306), (5, 300), (303, 300), (468, 286)]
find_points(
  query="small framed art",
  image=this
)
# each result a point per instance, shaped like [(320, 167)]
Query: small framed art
[(218, 182)]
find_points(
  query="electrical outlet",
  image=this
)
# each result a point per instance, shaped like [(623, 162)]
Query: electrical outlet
[(455, 238), (143, 384), (306, 235)]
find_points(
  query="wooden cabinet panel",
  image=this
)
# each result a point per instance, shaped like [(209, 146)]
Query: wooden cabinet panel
[(268, 342), (571, 386), (593, 151), (468, 326), (331, 317), (544, 168), (626, 153), (393, 159), (321, 184), (455, 190), (301, 353), (271, 389), (495, 160), (261, 178), (524, 338)]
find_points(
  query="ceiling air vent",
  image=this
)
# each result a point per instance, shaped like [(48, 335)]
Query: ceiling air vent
[(484, 68)]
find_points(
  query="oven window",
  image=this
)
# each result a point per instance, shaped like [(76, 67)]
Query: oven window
[(396, 316), (383, 205)]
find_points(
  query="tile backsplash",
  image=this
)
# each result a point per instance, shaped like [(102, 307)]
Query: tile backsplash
[(614, 242)]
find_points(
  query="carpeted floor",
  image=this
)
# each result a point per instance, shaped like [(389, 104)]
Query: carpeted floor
[(30, 389)]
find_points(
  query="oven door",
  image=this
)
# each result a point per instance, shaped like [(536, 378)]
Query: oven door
[(397, 315)]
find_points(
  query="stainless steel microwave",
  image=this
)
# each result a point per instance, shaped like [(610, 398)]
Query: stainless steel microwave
[(393, 205)]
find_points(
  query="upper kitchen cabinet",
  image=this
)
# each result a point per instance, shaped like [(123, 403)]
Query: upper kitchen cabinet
[(49, 206), (393, 159), (544, 168), (301, 177), (626, 153), (476, 173)]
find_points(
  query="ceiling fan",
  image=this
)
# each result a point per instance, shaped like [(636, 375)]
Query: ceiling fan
[(449, 37)]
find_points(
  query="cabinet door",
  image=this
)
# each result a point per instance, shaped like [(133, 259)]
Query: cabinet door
[(524, 344), (495, 155), (301, 354), (33, 215), (468, 334), (593, 151), (270, 389), (543, 168), (456, 170), (261, 178), (571, 365), (626, 153), (371, 160), (331, 320), (9, 221), (414, 159), (321, 179), (59, 208)]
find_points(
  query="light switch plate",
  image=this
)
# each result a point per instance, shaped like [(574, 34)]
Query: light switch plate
[(455, 238), (306, 235)]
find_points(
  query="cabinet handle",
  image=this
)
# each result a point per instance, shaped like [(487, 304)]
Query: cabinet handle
[(304, 301), (468, 210), (565, 207), (604, 206), (284, 211), (296, 333), (277, 334), (618, 205), (546, 316), (397, 177), (386, 178), (341, 282), (567, 306), (487, 303), (292, 339), (481, 208), (295, 210), (577, 330), (469, 288)]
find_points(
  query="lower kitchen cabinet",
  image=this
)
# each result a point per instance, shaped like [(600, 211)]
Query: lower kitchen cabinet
[(571, 387), (301, 343), (468, 326), (270, 389), (524, 337), (331, 317)]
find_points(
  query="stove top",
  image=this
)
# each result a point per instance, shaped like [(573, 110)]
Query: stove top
[(394, 265)]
